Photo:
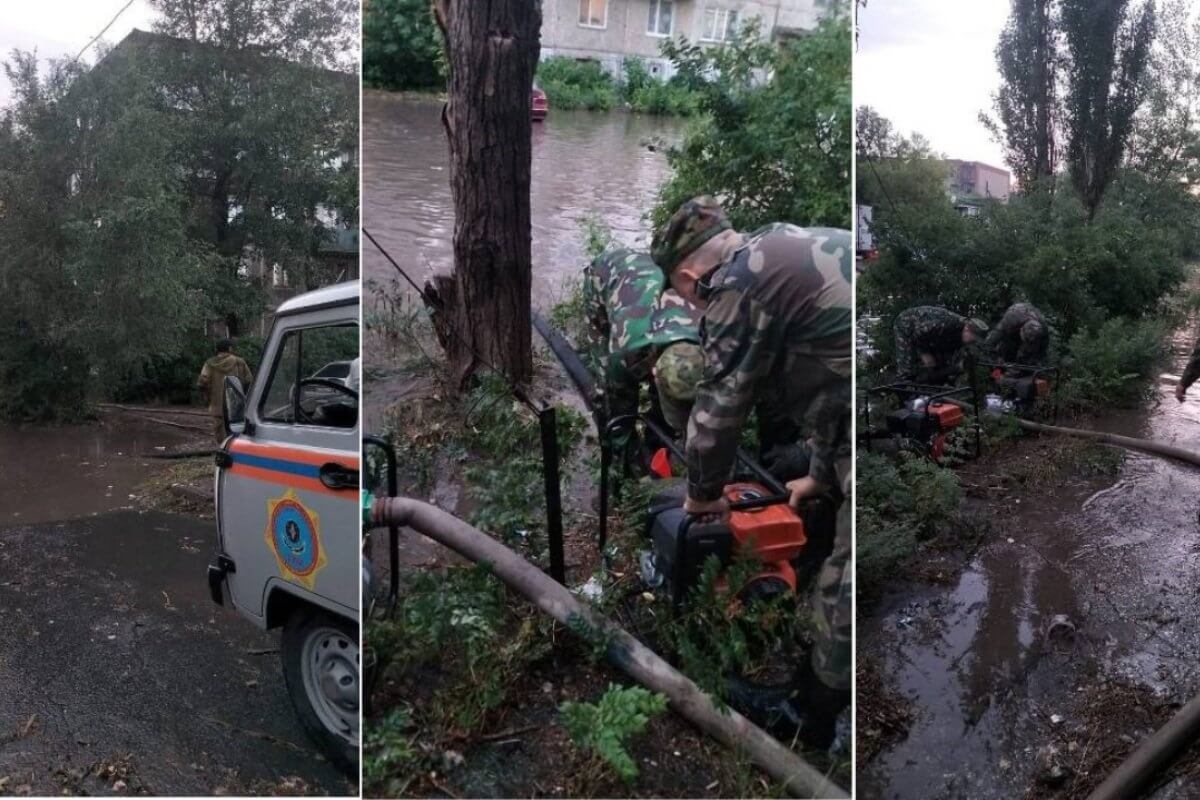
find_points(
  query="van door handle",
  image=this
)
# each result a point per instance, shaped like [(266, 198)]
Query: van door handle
[(337, 477)]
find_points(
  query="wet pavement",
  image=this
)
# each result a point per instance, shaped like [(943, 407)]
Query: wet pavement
[(59, 472), (114, 653), (988, 667), (583, 163)]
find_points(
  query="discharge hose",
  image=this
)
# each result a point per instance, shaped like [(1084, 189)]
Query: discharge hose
[(687, 699), (1129, 779)]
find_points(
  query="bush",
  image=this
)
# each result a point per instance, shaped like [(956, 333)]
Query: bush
[(899, 505), (641, 91), (1114, 364), (402, 47), (771, 151), (573, 84)]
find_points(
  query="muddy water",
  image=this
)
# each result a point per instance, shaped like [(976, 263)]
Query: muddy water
[(54, 473), (583, 163), (1119, 558)]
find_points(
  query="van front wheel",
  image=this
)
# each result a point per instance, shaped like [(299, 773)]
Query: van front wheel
[(321, 668)]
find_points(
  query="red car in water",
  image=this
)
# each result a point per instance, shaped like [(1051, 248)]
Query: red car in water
[(539, 104)]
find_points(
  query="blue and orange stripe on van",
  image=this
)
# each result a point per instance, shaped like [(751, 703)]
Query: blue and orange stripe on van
[(287, 466)]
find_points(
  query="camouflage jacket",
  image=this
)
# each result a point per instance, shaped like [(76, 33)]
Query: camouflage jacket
[(928, 329), (630, 320), (1021, 336), (777, 323), (1192, 371)]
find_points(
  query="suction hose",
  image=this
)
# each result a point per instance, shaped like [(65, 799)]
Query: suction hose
[(685, 697), (1129, 779)]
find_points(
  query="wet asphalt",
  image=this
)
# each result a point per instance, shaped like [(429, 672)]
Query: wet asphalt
[(118, 674)]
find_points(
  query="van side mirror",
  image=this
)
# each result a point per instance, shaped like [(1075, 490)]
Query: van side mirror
[(233, 407)]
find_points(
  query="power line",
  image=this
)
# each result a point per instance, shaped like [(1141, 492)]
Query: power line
[(96, 38)]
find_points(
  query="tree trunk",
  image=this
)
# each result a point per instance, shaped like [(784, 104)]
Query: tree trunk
[(493, 50)]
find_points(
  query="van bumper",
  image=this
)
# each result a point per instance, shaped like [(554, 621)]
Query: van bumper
[(218, 571)]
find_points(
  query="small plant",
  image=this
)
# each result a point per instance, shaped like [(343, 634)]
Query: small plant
[(605, 727), (391, 759)]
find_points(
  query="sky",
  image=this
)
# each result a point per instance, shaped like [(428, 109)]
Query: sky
[(57, 28), (930, 67)]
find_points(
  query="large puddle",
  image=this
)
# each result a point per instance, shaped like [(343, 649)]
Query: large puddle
[(59, 472), (983, 662)]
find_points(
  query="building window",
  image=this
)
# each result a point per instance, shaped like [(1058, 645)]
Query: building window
[(661, 18), (719, 24), (593, 13)]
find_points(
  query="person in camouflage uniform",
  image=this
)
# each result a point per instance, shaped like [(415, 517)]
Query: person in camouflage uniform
[(1190, 373), (931, 342), (777, 323), (638, 331), (1021, 336)]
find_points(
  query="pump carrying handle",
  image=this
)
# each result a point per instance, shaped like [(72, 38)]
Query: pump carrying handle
[(780, 494)]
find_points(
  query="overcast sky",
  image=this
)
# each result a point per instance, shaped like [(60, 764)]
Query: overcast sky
[(929, 66), (57, 28)]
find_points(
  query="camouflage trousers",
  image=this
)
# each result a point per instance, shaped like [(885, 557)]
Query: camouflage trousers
[(833, 612), (219, 428)]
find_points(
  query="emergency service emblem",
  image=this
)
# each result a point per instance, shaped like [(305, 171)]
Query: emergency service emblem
[(294, 536)]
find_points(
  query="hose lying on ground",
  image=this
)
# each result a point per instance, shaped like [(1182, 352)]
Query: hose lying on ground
[(1144, 445), (1129, 779), (626, 652)]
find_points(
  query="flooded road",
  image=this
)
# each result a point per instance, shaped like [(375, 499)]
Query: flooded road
[(60, 472), (583, 163), (991, 666)]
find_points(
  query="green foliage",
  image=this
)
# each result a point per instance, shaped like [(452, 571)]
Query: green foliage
[(772, 151), (402, 46), (1038, 247), (1113, 365), (133, 190), (725, 632), (505, 478), (391, 754), (898, 505), (173, 379), (643, 92), (573, 84), (605, 727), (1107, 50)]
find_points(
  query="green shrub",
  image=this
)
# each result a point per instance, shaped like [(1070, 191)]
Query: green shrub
[(574, 84), (1113, 365), (643, 92), (402, 47), (605, 727), (773, 151), (898, 506)]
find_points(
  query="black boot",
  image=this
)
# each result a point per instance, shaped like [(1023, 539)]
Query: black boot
[(817, 706)]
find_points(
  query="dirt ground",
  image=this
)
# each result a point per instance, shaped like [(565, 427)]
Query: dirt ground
[(1029, 664)]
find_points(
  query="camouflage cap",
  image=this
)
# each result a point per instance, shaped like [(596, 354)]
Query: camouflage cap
[(977, 327), (676, 374), (693, 224)]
